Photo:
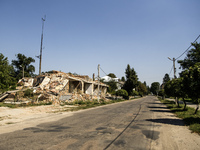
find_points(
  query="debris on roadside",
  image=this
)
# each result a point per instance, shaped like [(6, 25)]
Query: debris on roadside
[(56, 87)]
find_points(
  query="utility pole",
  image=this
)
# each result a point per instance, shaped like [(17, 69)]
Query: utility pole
[(43, 19), (173, 66), (98, 80)]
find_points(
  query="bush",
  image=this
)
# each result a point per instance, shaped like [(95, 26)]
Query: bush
[(134, 93), (122, 93), (161, 93), (79, 102)]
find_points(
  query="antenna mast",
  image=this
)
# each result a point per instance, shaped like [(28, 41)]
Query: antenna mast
[(43, 20)]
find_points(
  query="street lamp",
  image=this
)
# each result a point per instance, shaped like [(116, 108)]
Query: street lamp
[(173, 66)]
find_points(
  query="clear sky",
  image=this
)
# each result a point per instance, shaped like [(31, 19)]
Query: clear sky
[(80, 34)]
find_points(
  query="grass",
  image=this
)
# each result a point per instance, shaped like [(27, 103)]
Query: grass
[(8, 105), (190, 119), (22, 105), (89, 104)]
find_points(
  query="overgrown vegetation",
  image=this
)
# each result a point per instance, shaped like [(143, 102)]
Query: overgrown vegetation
[(190, 119)]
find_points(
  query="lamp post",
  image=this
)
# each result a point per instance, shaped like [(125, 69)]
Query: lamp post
[(173, 66)]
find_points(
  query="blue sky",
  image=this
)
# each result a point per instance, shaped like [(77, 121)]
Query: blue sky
[(80, 34)]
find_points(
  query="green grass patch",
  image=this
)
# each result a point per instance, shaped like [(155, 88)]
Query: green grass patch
[(8, 105), (190, 119)]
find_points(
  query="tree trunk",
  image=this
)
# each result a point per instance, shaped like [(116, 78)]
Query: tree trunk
[(184, 103), (196, 108), (177, 101)]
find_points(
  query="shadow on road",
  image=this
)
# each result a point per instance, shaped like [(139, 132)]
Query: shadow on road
[(168, 111), (177, 122), (47, 129), (157, 107)]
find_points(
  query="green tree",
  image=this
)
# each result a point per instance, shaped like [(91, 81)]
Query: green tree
[(6, 73), (194, 75), (193, 57), (112, 75), (23, 62), (155, 86), (131, 80), (185, 85), (112, 86), (142, 89), (166, 78), (123, 79)]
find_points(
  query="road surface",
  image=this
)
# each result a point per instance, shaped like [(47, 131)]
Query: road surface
[(142, 124)]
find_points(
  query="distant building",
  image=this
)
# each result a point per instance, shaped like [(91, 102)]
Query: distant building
[(117, 80)]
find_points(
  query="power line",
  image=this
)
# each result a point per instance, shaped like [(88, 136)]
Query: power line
[(188, 48), (103, 71), (171, 70)]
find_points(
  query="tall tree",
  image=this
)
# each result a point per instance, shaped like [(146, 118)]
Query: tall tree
[(23, 63), (6, 73), (193, 57), (131, 80)]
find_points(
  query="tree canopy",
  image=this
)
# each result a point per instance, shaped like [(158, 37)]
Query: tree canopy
[(166, 78), (23, 62), (193, 57), (6, 73), (155, 86), (123, 79), (142, 89)]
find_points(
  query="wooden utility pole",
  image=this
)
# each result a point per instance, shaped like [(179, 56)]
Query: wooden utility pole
[(174, 68), (43, 19), (98, 81), (174, 60)]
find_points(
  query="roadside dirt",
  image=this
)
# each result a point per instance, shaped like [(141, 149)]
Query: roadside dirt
[(12, 119), (173, 134)]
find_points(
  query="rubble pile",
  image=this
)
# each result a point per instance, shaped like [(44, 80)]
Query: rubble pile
[(58, 87)]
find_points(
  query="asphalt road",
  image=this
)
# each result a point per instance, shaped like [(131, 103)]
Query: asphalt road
[(127, 125)]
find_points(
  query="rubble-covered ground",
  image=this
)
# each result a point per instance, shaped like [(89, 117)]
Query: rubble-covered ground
[(56, 88)]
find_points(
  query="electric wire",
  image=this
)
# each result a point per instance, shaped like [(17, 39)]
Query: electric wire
[(103, 71), (187, 48), (171, 70)]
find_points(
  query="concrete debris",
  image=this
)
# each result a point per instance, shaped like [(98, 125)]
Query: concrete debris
[(58, 87)]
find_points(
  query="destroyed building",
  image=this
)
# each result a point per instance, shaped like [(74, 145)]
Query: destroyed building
[(58, 86)]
